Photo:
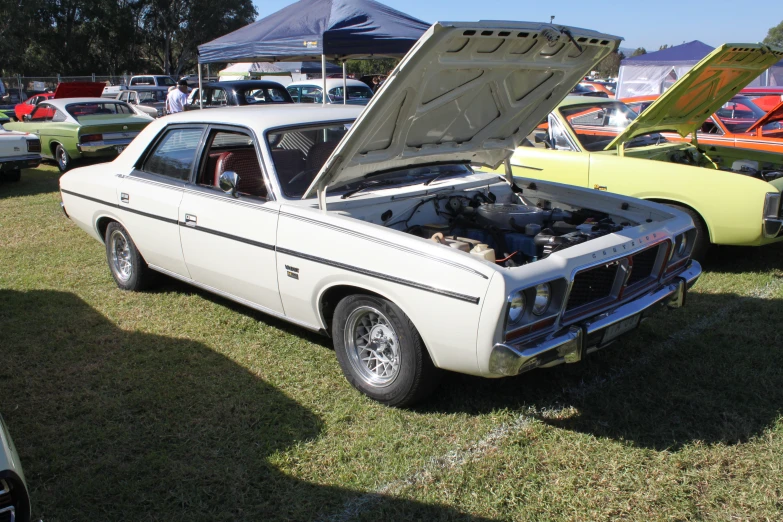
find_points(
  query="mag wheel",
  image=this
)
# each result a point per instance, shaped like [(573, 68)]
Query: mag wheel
[(380, 351), (127, 267)]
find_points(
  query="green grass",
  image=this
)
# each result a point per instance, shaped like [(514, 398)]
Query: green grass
[(177, 405)]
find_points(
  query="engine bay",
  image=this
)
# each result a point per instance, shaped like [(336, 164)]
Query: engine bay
[(765, 171), (510, 233)]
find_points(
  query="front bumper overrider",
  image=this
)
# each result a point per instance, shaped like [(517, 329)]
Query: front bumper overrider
[(570, 345)]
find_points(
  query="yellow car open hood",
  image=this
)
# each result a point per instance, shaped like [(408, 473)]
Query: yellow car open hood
[(702, 90)]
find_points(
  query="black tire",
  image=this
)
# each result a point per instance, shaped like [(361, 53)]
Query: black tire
[(62, 158), (416, 376), (126, 265), (12, 176), (702, 243)]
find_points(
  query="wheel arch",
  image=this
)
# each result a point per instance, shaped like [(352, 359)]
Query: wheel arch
[(53, 147), (669, 201), (331, 295)]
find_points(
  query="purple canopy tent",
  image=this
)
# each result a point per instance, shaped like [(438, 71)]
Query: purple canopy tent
[(309, 30)]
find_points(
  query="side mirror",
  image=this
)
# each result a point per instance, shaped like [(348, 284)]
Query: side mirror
[(228, 182), (540, 137), (27, 117)]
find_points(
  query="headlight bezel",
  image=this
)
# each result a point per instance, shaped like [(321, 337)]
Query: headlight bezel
[(514, 322), (771, 208), (541, 288), (528, 323)]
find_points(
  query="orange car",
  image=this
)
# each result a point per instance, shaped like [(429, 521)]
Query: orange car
[(765, 97), (598, 87), (739, 123)]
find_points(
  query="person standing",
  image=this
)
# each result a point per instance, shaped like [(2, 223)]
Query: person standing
[(177, 98)]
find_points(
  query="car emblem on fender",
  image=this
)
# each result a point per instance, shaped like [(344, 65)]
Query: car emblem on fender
[(124, 127)]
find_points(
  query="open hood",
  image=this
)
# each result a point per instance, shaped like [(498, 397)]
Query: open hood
[(79, 90), (776, 114), (702, 90), (466, 92)]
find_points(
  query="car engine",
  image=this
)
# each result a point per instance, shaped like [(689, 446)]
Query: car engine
[(511, 234)]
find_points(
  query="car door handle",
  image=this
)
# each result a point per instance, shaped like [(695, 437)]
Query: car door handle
[(190, 220), (599, 187), (124, 198)]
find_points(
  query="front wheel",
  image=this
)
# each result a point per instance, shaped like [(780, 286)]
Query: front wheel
[(127, 267), (380, 352), (702, 242), (62, 157)]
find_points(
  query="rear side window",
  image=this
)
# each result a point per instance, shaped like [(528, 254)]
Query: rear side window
[(175, 155)]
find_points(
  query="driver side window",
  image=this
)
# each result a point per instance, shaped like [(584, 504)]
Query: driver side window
[(232, 151)]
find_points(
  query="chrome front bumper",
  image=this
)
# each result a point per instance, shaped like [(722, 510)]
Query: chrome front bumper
[(571, 344)]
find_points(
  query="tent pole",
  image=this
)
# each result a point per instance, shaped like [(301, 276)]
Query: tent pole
[(200, 89), (345, 86), (323, 75)]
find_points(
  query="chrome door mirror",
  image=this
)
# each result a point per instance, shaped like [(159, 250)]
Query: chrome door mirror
[(229, 180), (27, 117)]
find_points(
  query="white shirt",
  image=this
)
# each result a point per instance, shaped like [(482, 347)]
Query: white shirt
[(177, 101)]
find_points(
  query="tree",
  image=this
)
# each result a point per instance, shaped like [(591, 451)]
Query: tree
[(609, 67), (775, 36), (373, 66), (664, 46), (639, 51)]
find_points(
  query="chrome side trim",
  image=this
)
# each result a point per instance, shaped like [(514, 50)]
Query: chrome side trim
[(378, 275), (384, 243), (236, 299)]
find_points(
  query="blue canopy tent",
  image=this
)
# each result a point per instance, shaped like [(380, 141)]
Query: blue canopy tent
[(653, 73), (317, 30)]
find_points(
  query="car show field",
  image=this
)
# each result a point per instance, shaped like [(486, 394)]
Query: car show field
[(176, 404)]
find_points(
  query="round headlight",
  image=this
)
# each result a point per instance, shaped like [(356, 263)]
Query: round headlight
[(516, 307), (682, 247), (543, 298)]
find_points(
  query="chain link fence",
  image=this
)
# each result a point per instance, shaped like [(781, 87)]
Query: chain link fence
[(18, 88)]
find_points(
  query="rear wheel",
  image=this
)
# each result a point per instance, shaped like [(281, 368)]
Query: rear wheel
[(380, 352), (702, 243), (127, 267), (62, 158)]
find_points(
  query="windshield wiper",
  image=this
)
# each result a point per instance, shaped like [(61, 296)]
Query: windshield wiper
[(369, 184)]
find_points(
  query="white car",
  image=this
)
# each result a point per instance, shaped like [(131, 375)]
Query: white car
[(311, 91), (18, 150), (372, 227)]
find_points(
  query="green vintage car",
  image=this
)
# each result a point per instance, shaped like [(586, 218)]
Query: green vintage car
[(733, 195), (14, 498), (75, 128)]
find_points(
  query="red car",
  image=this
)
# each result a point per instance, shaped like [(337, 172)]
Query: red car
[(27, 107), (765, 97)]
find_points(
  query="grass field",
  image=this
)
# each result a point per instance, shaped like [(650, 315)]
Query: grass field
[(177, 405)]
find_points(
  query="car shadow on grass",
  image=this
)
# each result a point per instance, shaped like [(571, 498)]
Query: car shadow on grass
[(123, 425), (738, 260), (720, 384), (32, 183)]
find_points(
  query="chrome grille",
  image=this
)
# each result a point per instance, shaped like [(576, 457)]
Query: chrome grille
[(592, 285), (643, 265)]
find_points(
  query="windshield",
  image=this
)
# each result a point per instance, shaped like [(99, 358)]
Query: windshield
[(740, 113), (357, 92), (151, 96), (87, 109), (255, 95), (597, 125), (299, 153), (166, 81)]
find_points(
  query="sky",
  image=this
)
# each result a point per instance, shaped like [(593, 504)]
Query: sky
[(647, 24)]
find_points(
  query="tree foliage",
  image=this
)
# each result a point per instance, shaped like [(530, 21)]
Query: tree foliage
[(775, 35), (609, 67), (368, 67), (639, 51), (75, 37)]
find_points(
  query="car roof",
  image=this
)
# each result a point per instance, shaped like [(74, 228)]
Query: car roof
[(270, 116), (330, 82), (241, 84)]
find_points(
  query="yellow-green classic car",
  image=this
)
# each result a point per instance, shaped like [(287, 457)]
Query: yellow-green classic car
[(733, 195)]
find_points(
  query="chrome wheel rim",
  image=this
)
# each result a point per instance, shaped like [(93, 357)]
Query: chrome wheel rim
[(121, 263), (373, 346), (62, 157)]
